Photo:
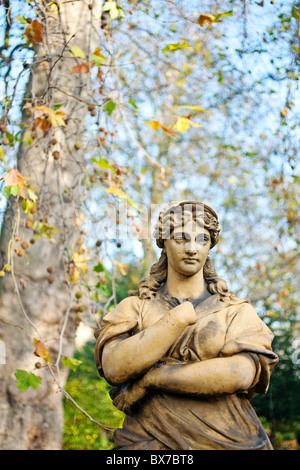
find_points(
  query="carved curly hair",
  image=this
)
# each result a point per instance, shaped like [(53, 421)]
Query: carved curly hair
[(176, 214)]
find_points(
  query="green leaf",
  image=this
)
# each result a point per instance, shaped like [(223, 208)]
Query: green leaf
[(103, 164), (114, 10), (77, 52), (10, 138), (175, 47), (98, 61), (6, 192), (130, 101), (14, 190), (27, 379), (57, 106), (104, 290), (109, 107), (27, 138), (224, 15), (22, 19), (71, 362), (99, 268)]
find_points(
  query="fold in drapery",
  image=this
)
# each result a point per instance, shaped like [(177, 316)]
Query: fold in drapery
[(169, 421)]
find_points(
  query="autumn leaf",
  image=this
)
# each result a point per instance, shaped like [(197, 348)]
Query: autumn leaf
[(80, 68), (97, 57), (121, 195), (43, 229), (284, 112), (193, 108), (2, 154), (175, 47), (121, 267), (41, 351), (183, 123), (205, 18), (32, 195), (55, 116), (114, 10), (43, 124), (33, 32), (78, 267), (224, 15), (103, 164), (155, 125), (14, 178), (77, 52)]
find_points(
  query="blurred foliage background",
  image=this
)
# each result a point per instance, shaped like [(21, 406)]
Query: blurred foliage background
[(112, 112)]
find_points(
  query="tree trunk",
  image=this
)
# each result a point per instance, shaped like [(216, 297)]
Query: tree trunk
[(36, 297)]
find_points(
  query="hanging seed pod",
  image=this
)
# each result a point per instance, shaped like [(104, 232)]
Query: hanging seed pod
[(55, 155)]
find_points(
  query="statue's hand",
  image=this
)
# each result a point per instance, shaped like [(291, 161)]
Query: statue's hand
[(184, 314), (128, 396)]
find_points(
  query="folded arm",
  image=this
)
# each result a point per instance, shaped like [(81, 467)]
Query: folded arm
[(211, 377), (125, 358)]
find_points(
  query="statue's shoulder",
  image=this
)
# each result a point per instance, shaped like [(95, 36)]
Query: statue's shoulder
[(242, 308), (130, 301)]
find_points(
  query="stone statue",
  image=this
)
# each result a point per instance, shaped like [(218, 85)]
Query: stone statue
[(185, 355)]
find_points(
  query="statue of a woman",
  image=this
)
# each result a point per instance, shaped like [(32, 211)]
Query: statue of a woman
[(184, 354)]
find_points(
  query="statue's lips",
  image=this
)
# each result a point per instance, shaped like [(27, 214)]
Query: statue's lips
[(190, 260)]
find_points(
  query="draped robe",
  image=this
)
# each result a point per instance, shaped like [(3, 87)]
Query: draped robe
[(170, 421)]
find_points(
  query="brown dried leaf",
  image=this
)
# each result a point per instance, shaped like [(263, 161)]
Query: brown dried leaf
[(205, 18), (41, 351), (80, 68), (43, 124), (34, 32)]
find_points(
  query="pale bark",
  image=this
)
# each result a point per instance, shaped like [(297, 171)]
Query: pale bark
[(31, 307)]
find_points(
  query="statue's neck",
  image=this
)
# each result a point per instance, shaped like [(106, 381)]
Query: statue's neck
[(186, 287)]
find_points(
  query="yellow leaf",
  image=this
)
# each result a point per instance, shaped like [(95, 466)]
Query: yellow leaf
[(98, 53), (183, 123), (205, 18), (78, 267), (55, 117), (54, 7), (122, 268), (2, 154), (58, 118), (121, 195), (193, 108), (77, 52), (32, 195), (155, 125)]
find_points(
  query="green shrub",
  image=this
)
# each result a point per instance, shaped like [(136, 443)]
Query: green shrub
[(91, 393)]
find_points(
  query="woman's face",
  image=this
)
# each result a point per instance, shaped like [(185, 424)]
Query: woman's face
[(188, 249)]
